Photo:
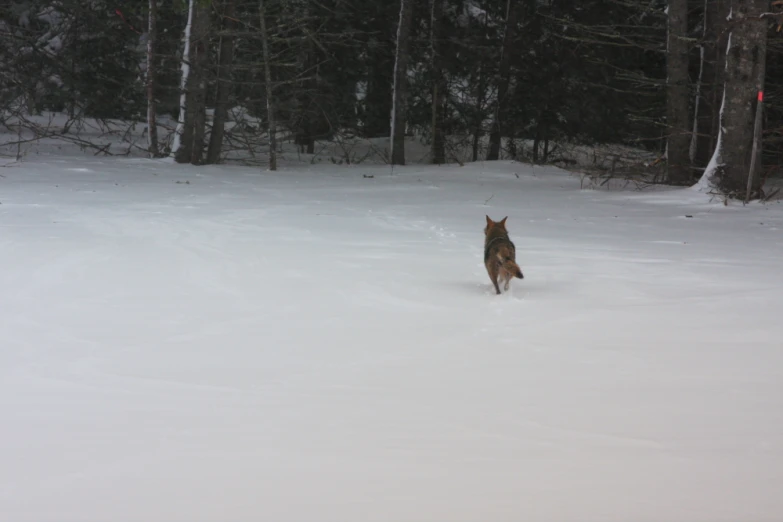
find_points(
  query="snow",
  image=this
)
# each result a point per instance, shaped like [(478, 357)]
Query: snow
[(223, 343)]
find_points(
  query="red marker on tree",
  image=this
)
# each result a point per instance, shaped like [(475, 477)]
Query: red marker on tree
[(761, 96)]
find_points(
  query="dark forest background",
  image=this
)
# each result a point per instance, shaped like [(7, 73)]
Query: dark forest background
[(518, 79)]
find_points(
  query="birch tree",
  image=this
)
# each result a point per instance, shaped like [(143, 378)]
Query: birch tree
[(176, 145), (191, 127)]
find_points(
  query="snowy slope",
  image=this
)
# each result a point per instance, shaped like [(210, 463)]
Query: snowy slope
[(224, 344)]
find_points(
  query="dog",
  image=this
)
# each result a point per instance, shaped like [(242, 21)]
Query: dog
[(500, 254)]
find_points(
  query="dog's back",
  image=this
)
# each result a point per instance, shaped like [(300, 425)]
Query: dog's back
[(500, 254)]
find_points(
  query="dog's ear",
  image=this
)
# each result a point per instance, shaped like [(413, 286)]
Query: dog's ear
[(489, 221), (503, 222)]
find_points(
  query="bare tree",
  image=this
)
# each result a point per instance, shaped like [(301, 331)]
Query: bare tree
[(152, 35), (438, 83), (477, 122), (678, 142), (182, 123), (190, 148), (226, 60), (709, 88), (503, 79), (745, 65), (270, 104), (400, 89), (198, 91)]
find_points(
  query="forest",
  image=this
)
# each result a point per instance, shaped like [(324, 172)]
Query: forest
[(688, 91)]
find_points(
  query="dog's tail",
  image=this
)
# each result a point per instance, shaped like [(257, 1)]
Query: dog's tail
[(510, 266)]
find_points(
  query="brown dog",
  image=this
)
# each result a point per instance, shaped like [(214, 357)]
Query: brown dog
[(500, 254)]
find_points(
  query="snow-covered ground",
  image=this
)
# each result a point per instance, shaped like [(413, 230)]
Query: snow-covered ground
[(226, 344)]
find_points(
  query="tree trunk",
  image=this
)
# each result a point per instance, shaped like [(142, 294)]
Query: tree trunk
[(270, 104), (400, 88), (710, 86), (182, 134), (152, 126), (542, 134), (223, 93), (310, 139), (200, 49), (745, 64), (378, 101), (755, 153), (503, 80), (546, 147), (478, 117), (478, 120), (438, 84), (678, 133), (308, 90)]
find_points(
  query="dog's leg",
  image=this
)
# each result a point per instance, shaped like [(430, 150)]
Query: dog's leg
[(493, 276)]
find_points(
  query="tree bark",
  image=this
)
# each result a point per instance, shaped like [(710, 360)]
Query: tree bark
[(198, 93), (755, 153), (503, 80), (152, 35), (745, 65), (400, 88), (542, 135), (223, 93), (438, 84), (308, 90), (678, 132), (378, 100), (270, 104), (710, 87), (180, 147), (478, 117)]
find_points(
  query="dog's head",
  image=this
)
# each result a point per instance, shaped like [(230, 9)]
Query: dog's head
[(495, 225)]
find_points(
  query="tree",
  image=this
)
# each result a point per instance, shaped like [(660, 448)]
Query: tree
[(183, 132), (503, 79), (198, 90), (709, 89), (438, 83), (400, 88), (678, 133), (152, 126), (270, 103), (225, 61), (192, 125), (376, 61), (745, 67)]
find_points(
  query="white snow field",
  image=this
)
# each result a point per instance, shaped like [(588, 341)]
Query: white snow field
[(224, 344)]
